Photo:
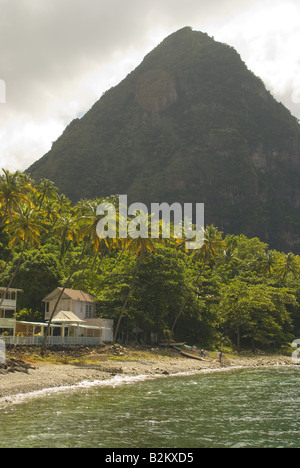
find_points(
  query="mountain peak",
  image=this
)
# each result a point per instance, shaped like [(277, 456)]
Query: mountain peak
[(190, 124)]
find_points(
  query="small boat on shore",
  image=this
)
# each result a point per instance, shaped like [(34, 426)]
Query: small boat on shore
[(190, 354), (172, 345), (179, 348)]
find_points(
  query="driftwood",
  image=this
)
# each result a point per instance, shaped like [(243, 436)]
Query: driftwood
[(14, 365)]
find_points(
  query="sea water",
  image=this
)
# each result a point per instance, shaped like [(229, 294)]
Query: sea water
[(239, 408)]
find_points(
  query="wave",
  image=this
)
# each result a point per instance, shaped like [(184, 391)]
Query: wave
[(113, 382)]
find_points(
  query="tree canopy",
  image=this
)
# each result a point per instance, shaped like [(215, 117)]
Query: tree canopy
[(234, 290)]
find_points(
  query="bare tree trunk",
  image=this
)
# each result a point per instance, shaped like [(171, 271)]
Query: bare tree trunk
[(185, 301), (180, 312), (238, 338), (124, 306), (43, 346)]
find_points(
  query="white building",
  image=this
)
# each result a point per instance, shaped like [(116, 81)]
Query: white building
[(8, 302), (74, 322), (8, 308), (81, 305)]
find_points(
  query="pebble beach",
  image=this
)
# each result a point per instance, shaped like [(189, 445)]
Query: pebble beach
[(44, 375)]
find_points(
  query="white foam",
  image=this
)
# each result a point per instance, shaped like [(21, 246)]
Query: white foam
[(112, 382), (86, 384)]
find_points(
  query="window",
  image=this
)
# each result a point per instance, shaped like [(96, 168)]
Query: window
[(66, 304), (88, 311), (46, 307)]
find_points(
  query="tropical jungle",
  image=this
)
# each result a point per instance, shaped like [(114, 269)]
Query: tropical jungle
[(233, 291)]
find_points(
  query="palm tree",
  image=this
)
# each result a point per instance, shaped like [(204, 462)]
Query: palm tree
[(63, 204), (139, 247), (46, 191), (13, 188), (212, 248), (288, 264), (65, 229), (73, 271), (51, 213), (267, 262), (83, 229), (86, 214), (24, 228)]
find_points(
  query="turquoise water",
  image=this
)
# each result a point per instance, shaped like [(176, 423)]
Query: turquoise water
[(241, 408)]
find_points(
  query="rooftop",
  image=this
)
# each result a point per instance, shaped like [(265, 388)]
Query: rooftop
[(74, 294)]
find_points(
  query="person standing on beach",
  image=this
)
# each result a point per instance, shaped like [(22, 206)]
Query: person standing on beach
[(220, 357)]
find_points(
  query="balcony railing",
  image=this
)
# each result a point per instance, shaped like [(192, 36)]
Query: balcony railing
[(51, 340), (7, 323), (9, 304)]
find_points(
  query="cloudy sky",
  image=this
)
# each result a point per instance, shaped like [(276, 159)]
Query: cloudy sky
[(57, 57)]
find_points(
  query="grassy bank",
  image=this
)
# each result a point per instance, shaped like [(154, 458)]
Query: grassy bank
[(117, 353)]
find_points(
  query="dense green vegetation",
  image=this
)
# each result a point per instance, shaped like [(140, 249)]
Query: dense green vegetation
[(233, 290), (190, 124)]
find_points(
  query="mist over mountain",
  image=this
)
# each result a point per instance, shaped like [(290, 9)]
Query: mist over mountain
[(190, 124)]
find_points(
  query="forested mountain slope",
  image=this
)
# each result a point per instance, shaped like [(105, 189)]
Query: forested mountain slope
[(190, 124)]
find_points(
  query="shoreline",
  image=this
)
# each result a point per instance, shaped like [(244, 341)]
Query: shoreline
[(46, 377)]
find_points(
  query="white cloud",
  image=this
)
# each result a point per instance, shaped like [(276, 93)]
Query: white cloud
[(267, 35), (59, 56), (23, 140)]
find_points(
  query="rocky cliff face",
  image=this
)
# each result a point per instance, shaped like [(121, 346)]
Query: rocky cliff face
[(190, 124)]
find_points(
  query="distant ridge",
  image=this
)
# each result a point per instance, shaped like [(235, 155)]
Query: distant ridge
[(190, 124)]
